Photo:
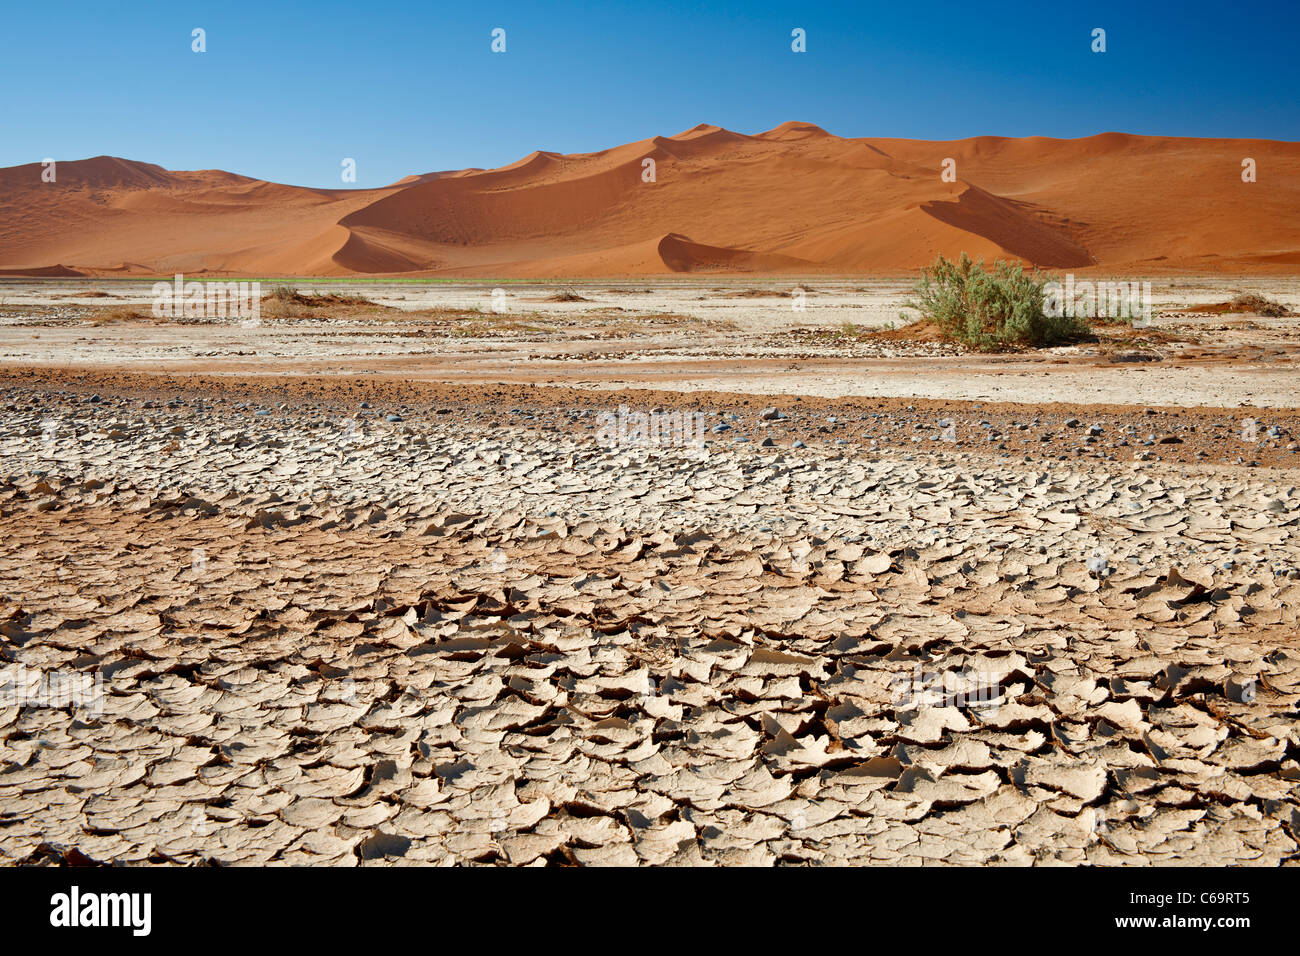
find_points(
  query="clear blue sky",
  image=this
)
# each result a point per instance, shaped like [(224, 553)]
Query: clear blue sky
[(286, 91)]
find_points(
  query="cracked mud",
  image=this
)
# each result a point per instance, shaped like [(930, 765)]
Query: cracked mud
[(318, 638)]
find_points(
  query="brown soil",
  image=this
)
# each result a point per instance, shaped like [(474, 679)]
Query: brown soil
[(874, 425)]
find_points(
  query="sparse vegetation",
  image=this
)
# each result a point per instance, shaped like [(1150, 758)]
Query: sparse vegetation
[(566, 295), (281, 293), (1243, 302), (1259, 305), (285, 302), (991, 310), (288, 295), (122, 313)]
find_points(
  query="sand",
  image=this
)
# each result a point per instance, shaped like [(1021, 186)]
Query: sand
[(795, 200), (374, 588)]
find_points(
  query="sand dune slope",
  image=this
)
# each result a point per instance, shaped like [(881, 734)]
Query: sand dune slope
[(795, 199)]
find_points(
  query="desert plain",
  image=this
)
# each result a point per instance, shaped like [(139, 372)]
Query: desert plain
[(611, 509), (362, 581)]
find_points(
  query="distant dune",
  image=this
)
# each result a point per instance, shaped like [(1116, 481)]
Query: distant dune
[(792, 200)]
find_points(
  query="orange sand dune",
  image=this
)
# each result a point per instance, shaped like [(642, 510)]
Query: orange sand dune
[(795, 199)]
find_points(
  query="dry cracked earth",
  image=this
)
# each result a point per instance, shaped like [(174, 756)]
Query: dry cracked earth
[(302, 636)]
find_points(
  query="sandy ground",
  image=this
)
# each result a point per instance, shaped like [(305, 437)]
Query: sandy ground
[(679, 336), (431, 611)]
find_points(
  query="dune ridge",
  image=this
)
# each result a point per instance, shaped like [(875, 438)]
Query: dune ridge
[(795, 199)]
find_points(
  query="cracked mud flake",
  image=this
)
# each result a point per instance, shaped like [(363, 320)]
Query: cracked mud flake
[(516, 665)]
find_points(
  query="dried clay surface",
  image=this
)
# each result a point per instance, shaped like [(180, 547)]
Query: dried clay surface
[(360, 638)]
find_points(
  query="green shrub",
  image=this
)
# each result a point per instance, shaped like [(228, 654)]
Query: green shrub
[(284, 293), (993, 310)]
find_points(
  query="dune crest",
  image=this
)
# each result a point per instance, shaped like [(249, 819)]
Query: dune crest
[(792, 199)]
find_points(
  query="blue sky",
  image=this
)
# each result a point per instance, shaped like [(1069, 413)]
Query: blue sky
[(286, 91)]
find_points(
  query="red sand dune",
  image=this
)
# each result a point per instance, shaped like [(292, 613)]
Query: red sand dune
[(794, 199)]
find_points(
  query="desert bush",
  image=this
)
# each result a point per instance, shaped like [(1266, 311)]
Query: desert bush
[(568, 294), (289, 295), (991, 310), (284, 293), (1259, 305), (285, 301)]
